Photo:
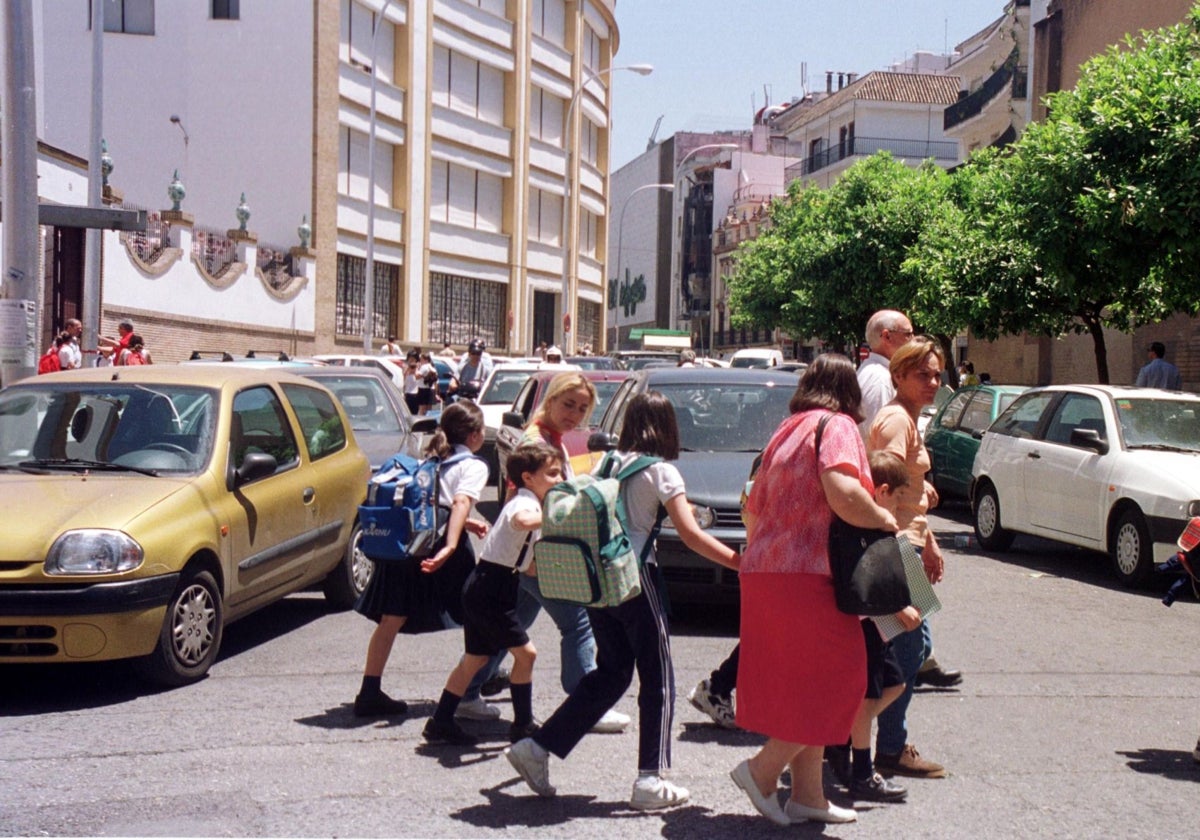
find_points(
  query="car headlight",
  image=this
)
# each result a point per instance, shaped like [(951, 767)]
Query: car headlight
[(93, 551), (705, 516), (1193, 508)]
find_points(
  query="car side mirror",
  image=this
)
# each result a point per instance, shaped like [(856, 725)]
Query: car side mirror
[(254, 466), (424, 425), (601, 442), (1089, 439), (515, 419)]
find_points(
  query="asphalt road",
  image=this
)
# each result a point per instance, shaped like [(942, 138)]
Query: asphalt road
[(1077, 719)]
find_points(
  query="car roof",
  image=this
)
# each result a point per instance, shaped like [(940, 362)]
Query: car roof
[(1121, 391), (595, 375), (716, 376), (203, 375)]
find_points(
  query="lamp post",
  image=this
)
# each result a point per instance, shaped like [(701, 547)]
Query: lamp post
[(621, 234), (369, 280), (642, 70)]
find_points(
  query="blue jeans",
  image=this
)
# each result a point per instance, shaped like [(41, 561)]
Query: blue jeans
[(912, 649), (577, 649)]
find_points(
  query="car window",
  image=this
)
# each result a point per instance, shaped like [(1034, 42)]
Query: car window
[(1021, 418), (727, 417), (259, 425), (616, 409), (604, 395), (503, 387), (364, 401), (1160, 423), (1076, 411), (524, 400), (949, 417), (977, 416), (320, 422)]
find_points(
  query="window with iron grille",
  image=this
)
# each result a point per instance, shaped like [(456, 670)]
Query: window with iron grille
[(463, 308), (351, 295), (590, 324)]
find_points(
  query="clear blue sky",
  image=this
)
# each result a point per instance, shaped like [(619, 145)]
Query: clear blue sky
[(712, 58)]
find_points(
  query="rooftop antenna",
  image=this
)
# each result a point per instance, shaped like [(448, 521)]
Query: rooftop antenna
[(650, 144)]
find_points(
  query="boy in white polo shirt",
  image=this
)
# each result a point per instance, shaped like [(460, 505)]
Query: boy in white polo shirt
[(489, 597)]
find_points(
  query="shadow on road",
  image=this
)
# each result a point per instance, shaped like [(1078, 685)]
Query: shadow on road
[(342, 717), (1170, 764)]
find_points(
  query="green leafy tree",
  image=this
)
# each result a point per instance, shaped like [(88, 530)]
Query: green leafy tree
[(831, 257), (1089, 220)]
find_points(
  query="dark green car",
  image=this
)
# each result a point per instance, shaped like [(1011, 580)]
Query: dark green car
[(952, 437)]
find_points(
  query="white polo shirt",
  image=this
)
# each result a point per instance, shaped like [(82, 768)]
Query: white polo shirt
[(503, 543)]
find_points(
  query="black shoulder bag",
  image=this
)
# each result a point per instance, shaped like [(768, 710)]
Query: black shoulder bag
[(868, 573)]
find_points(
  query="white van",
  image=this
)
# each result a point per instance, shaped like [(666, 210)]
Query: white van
[(756, 357)]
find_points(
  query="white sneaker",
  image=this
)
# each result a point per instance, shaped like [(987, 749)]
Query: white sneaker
[(535, 770), (477, 709), (653, 793), (612, 722), (716, 706)]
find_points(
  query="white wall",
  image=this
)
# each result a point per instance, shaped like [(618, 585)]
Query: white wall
[(243, 90), (639, 244)]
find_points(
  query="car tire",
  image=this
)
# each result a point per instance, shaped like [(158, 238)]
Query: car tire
[(991, 536), (1131, 549), (191, 632), (350, 576)]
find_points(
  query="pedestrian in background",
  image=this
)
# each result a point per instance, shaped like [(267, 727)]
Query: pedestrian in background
[(70, 356), (1158, 372), (802, 668)]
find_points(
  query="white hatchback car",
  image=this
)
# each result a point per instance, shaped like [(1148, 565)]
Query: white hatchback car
[(1105, 467)]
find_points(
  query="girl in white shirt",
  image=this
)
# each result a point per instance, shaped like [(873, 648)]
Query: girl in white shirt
[(422, 596), (490, 597)]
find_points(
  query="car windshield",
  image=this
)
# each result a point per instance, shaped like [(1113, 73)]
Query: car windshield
[(727, 417), (504, 387), (364, 401), (112, 425), (1169, 424), (604, 395)]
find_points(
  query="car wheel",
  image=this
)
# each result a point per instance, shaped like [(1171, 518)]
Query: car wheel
[(1131, 549), (987, 520), (191, 632), (349, 578)]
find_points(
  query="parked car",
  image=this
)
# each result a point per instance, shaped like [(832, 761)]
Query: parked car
[(638, 359), (157, 504), (393, 366), (792, 367), (496, 397), (593, 362), (530, 398), (756, 357), (1105, 467), (725, 416), (953, 434)]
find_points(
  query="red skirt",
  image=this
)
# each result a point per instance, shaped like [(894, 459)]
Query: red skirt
[(802, 672)]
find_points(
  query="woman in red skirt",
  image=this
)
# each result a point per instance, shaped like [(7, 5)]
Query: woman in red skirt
[(802, 673)]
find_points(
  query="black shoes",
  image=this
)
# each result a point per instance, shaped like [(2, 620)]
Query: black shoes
[(498, 683), (877, 789), (378, 705), (447, 733), (936, 677), (517, 731)]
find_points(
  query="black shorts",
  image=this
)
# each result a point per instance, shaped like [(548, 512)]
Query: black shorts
[(883, 668), (489, 601), (425, 395)]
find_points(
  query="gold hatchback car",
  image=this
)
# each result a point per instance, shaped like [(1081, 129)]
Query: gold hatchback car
[(147, 507)]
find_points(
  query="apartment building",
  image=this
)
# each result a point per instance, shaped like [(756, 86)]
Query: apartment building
[(484, 111)]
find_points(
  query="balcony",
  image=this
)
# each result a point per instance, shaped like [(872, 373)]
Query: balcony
[(1009, 78), (939, 150)]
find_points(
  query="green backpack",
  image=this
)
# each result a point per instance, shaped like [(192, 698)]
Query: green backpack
[(585, 555)]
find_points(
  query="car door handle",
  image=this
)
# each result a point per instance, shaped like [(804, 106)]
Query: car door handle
[(308, 495), (1033, 455)]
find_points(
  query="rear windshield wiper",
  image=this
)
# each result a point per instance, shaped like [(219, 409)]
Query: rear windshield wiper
[(25, 468), (84, 463)]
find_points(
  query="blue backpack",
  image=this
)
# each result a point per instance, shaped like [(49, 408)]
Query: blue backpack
[(401, 517)]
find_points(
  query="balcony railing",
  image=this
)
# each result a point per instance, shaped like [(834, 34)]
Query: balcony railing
[(865, 146), (972, 104)]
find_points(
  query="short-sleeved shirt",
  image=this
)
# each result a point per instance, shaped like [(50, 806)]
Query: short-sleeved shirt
[(537, 433), (1158, 374), (644, 492), (791, 533), (875, 382), (895, 431), (70, 356), (467, 477), (504, 543)]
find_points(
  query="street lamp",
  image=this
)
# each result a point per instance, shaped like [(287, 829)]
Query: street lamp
[(369, 280), (641, 70), (621, 234)]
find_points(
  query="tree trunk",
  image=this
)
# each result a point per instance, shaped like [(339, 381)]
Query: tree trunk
[(1097, 333)]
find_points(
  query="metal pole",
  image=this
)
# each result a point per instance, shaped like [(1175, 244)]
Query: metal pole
[(567, 299), (369, 280), (20, 286), (90, 315), (621, 233)]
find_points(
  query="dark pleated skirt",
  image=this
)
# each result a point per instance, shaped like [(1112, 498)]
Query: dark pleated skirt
[(429, 602)]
